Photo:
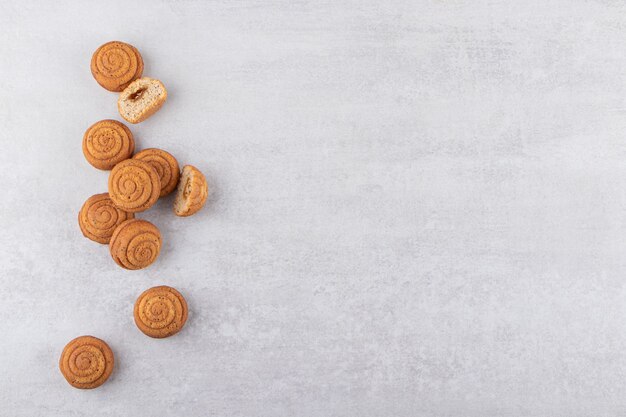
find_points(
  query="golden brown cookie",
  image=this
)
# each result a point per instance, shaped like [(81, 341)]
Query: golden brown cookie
[(160, 312), (86, 362), (107, 143), (99, 217), (165, 165), (141, 99), (192, 192), (134, 185), (135, 244), (116, 64)]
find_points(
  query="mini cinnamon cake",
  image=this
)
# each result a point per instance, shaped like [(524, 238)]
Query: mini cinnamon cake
[(86, 362), (135, 244), (165, 165), (116, 64), (134, 185), (160, 312), (192, 192), (107, 143), (99, 217), (141, 99)]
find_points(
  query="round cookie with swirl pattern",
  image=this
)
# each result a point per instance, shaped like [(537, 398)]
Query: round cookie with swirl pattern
[(160, 312), (106, 143), (192, 192), (135, 244), (115, 65), (134, 185), (99, 217), (86, 362), (166, 166)]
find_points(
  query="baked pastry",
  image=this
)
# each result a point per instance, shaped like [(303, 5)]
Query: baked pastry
[(166, 166), (134, 185), (160, 312), (107, 143), (135, 244), (116, 64), (141, 99), (99, 217), (192, 192), (86, 362)]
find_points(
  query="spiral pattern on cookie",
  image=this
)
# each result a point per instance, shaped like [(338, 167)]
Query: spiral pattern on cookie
[(86, 362), (115, 64), (134, 185), (165, 165), (160, 311), (99, 217), (135, 244), (106, 143)]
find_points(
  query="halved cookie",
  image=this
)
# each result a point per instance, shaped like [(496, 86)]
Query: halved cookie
[(141, 99), (192, 192)]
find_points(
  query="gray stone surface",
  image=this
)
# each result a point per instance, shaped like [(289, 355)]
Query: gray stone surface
[(417, 208)]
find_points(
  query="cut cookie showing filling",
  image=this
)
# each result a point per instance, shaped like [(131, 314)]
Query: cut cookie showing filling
[(141, 99), (192, 192)]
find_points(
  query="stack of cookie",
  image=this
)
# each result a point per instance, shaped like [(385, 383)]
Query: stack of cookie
[(136, 182)]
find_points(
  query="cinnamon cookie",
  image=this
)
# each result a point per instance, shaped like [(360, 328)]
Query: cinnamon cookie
[(116, 64), (135, 244), (165, 165), (160, 312), (134, 185), (107, 143), (192, 192), (86, 362), (141, 99), (99, 217)]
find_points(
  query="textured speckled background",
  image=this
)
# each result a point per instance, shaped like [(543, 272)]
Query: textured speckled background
[(418, 208)]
